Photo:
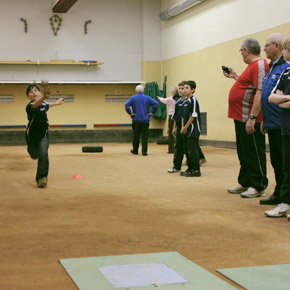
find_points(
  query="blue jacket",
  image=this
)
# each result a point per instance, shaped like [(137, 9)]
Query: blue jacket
[(140, 106), (272, 113)]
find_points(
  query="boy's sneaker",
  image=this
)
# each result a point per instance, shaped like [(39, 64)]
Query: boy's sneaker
[(237, 189), (252, 192), (182, 173), (193, 173), (42, 182), (282, 209), (173, 170)]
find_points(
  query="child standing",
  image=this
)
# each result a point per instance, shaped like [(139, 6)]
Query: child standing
[(37, 130), (190, 128), (179, 144)]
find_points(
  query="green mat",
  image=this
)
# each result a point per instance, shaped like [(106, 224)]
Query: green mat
[(275, 277), (86, 274)]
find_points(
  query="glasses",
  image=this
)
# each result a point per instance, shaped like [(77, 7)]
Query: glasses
[(268, 44)]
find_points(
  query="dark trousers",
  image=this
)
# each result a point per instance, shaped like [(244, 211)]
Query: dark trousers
[(285, 187), (201, 155), (140, 129), (251, 151), (170, 135), (192, 153), (276, 156), (179, 149), (39, 150)]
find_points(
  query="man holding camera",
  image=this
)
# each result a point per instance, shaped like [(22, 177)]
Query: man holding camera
[(245, 110)]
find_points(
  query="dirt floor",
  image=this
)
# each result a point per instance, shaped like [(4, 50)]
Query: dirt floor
[(127, 204)]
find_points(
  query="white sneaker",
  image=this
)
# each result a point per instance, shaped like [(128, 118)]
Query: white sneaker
[(282, 209), (237, 189), (173, 170), (252, 192)]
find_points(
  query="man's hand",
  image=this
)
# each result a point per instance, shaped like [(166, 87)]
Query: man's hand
[(262, 129), (183, 130), (232, 74), (132, 115), (250, 126), (150, 114), (174, 132)]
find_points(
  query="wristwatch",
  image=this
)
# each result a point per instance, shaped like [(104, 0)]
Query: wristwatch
[(252, 117)]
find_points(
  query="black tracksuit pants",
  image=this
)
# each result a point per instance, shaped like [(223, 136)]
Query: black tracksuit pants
[(276, 156), (285, 187)]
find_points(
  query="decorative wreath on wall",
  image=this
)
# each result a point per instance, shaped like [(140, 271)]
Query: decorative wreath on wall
[(86, 26), (55, 23), (25, 24)]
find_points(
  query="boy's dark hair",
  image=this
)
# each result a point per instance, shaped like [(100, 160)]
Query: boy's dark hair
[(182, 83), (31, 86), (192, 84)]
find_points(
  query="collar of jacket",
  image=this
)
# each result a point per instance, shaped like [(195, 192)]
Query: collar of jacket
[(280, 61)]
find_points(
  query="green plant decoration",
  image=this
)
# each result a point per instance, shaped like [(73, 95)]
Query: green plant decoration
[(86, 26), (55, 23), (25, 24)]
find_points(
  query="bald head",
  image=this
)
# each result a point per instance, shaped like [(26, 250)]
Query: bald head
[(139, 89), (274, 46), (277, 38)]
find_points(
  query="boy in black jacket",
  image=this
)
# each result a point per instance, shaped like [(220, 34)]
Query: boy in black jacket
[(190, 128), (37, 129)]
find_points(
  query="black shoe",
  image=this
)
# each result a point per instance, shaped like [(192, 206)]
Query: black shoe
[(193, 173), (182, 173), (272, 200), (144, 154), (133, 152)]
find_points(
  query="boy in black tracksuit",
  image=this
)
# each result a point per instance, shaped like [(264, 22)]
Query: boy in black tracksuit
[(37, 130), (179, 139), (190, 129)]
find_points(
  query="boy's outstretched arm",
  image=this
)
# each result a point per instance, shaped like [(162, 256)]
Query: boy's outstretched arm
[(60, 101)]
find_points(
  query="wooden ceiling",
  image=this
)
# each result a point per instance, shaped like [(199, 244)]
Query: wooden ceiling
[(62, 6)]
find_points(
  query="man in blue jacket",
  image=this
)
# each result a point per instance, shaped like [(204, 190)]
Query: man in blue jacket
[(138, 107), (272, 113)]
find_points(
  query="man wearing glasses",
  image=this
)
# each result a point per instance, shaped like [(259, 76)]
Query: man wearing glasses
[(272, 113), (245, 110)]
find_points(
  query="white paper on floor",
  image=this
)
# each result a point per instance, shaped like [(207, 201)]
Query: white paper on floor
[(133, 275)]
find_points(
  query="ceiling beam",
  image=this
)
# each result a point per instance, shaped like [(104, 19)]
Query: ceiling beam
[(62, 6)]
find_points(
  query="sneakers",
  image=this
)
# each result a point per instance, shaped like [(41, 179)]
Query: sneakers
[(42, 182), (173, 170), (237, 189), (193, 173), (272, 200), (282, 209), (252, 192), (182, 173)]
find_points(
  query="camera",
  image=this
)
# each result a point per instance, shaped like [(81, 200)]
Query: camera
[(226, 69)]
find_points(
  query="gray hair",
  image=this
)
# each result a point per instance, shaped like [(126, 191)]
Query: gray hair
[(252, 45), (139, 89), (174, 89), (278, 38)]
